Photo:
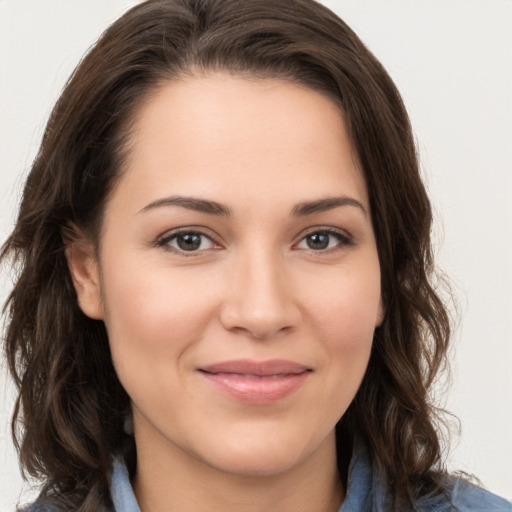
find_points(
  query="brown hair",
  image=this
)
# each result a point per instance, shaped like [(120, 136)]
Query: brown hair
[(68, 420)]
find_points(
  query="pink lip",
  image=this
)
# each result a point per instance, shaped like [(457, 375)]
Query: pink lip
[(257, 382)]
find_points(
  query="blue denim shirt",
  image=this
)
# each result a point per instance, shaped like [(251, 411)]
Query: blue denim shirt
[(365, 493)]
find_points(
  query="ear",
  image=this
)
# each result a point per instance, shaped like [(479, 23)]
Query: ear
[(84, 270)]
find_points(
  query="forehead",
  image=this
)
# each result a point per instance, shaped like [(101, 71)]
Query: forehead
[(201, 134)]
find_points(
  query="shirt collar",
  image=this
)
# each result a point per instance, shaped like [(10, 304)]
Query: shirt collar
[(121, 489)]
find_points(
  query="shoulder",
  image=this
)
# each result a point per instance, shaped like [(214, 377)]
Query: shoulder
[(466, 497), (368, 490), (463, 496)]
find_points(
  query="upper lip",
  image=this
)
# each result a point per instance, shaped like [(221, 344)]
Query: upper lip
[(260, 368)]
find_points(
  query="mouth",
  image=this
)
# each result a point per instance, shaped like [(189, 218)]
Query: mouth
[(256, 382)]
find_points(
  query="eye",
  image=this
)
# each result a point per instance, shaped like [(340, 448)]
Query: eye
[(323, 240), (187, 241)]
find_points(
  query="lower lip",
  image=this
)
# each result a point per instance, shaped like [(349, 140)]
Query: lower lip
[(255, 389)]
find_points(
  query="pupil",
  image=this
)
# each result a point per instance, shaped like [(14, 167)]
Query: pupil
[(189, 242), (318, 241)]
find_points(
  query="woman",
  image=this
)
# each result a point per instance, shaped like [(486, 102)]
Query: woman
[(224, 298)]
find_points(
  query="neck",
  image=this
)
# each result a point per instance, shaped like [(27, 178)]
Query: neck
[(169, 479)]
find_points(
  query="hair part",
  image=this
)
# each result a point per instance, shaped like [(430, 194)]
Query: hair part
[(70, 411)]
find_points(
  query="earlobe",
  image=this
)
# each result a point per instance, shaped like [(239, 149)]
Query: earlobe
[(84, 271)]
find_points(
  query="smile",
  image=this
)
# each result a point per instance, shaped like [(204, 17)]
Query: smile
[(256, 382)]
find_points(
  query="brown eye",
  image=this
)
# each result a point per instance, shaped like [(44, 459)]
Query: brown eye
[(187, 241), (324, 240), (318, 241)]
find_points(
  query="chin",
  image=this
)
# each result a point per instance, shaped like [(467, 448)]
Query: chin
[(264, 454), (254, 463)]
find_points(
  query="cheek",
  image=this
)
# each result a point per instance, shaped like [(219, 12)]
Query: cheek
[(347, 312), (153, 318), (347, 305), (346, 333)]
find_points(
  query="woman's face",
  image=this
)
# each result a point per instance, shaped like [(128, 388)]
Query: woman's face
[(238, 274)]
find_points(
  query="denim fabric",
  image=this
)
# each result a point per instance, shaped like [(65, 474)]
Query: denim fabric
[(121, 489), (366, 493)]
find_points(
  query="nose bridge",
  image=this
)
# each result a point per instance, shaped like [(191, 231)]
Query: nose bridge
[(260, 299)]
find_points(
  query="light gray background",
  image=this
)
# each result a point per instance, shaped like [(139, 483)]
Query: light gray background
[(452, 61)]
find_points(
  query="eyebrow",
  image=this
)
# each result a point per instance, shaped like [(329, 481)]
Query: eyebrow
[(301, 209), (190, 203), (325, 204)]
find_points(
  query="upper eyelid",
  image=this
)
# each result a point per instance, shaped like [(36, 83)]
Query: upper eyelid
[(326, 229)]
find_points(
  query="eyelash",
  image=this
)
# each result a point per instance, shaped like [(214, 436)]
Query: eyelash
[(344, 240)]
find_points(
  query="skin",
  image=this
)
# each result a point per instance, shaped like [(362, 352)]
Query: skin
[(254, 289)]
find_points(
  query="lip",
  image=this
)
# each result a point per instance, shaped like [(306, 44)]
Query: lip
[(256, 382)]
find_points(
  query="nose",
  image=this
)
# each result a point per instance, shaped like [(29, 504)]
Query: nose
[(260, 300)]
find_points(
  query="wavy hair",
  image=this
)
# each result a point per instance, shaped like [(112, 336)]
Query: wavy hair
[(69, 414)]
